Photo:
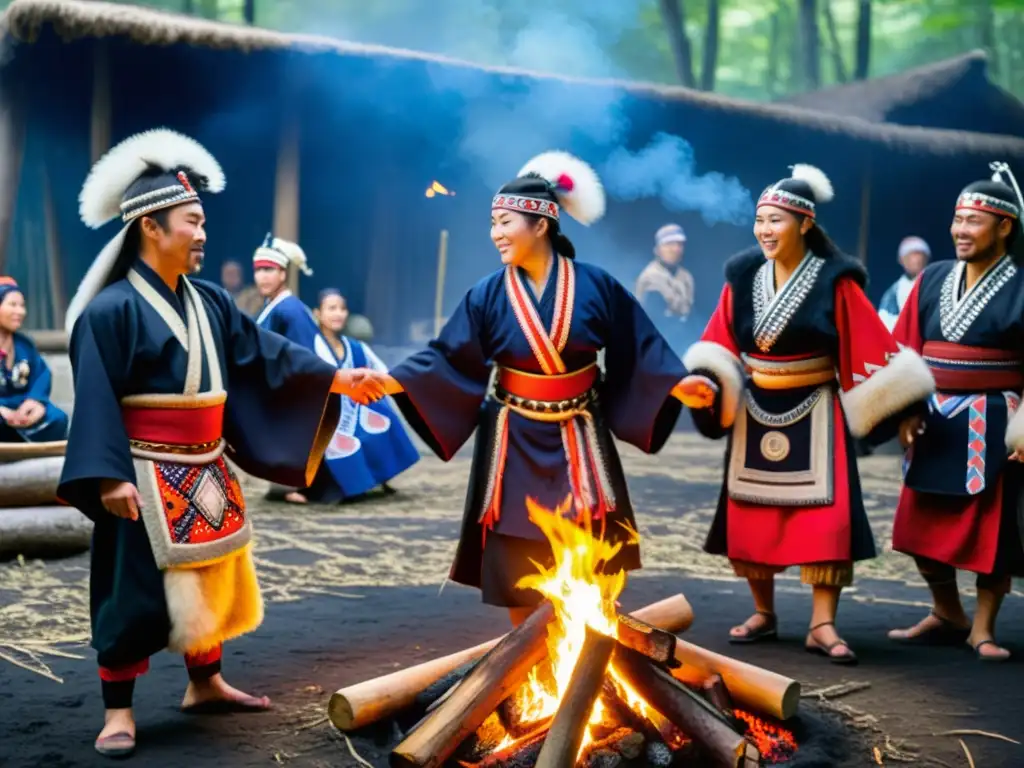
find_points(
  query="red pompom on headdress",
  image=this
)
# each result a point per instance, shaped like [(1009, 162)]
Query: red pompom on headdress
[(565, 182), (183, 178)]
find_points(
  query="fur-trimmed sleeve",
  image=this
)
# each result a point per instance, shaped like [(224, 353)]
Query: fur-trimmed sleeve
[(879, 379), (717, 356)]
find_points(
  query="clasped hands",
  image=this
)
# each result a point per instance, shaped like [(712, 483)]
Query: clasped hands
[(25, 415), (363, 385)]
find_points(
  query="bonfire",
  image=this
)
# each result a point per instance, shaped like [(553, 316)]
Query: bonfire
[(580, 685)]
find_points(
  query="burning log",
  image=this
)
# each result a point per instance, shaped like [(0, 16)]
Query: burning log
[(360, 705), (521, 754), (563, 741), (717, 694), (497, 675), (750, 687), (699, 719), (656, 644)]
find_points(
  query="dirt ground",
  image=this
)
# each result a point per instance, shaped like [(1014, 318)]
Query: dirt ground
[(353, 592)]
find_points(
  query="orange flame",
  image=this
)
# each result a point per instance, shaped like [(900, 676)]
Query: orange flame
[(582, 597), (436, 188)]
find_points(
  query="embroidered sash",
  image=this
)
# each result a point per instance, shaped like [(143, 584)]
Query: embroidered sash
[(192, 504), (588, 479)]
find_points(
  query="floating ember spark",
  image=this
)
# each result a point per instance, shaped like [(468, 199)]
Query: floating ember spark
[(436, 188)]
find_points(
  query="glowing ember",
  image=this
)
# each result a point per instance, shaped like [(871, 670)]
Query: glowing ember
[(436, 188), (775, 743)]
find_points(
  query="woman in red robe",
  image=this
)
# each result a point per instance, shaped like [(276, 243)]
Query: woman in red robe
[(804, 365)]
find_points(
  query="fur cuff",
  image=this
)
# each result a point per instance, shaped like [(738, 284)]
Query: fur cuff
[(1015, 430), (726, 367), (904, 381)]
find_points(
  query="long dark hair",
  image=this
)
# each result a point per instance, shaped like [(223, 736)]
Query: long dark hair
[(817, 239), (559, 242)]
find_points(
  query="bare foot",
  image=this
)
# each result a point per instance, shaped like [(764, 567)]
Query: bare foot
[(986, 648), (294, 497), (117, 739), (214, 694), (932, 627)]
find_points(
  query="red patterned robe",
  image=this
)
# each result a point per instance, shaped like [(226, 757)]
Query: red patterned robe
[(960, 497), (801, 367)]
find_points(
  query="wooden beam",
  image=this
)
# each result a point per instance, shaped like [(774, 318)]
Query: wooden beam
[(286, 188), (102, 111), (54, 262), (12, 155)]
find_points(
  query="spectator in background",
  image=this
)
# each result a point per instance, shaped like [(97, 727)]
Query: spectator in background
[(247, 297), (914, 254), (665, 289)]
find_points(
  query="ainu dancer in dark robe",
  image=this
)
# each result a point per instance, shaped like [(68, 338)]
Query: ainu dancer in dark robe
[(962, 489), (804, 365), (167, 372), (545, 429)]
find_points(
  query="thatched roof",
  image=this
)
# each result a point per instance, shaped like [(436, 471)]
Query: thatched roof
[(884, 98), (76, 19)]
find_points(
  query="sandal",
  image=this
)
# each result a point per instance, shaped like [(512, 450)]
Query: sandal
[(120, 744), (769, 631), (983, 657), (813, 646), (228, 706), (945, 633)]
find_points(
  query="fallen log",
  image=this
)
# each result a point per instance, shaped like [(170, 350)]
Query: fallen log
[(687, 710), (749, 686), (499, 673), (562, 744), (367, 702), (43, 532), (29, 482)]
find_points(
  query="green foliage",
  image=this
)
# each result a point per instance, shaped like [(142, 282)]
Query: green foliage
[(757, 47)]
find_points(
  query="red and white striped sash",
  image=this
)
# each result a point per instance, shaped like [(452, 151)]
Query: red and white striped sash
[(591, 489)]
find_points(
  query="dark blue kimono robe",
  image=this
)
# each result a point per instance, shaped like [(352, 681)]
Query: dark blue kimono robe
[(28, 377), (445, 399), (278, 401)]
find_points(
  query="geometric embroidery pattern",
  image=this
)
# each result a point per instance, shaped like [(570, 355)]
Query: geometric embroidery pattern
[(976, 445), (201, 503)]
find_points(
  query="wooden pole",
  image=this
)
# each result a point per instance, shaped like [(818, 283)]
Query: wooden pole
[(54, 262), (751, 687), (497, 675), (687, 710), (102, 109), (562, 744), (442, 267), (360, 705), (286, 189)]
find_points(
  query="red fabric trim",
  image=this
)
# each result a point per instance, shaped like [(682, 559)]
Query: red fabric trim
[(865, 344), (205, 658), (785, 536), (908, 327), (559, 387), (719, 327), (124, 674), (962, 531), (176, 426), (256, 264), (949, 351)]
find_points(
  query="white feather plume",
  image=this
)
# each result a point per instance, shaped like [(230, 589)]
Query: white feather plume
[(816, 179), (110, 177), (585, 202), (295, 254), (94, 279)]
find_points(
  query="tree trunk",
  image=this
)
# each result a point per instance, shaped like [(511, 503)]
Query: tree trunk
[(809, 44), (987, 35), (771, 74), (863, 41), (710, 63), (189, 7), (673, 14), (249, 12), (838, 65)]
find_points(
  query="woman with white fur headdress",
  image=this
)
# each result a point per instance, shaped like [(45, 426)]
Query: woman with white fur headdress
[(804, 366), (168, 373), (545, 429)]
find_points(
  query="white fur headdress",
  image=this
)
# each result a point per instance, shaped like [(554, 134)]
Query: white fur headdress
[(792, 193), (183, 169), (280, 253), (551, 181)]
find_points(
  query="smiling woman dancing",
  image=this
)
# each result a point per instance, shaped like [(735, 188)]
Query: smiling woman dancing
[(822, 367), (546, 427)]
